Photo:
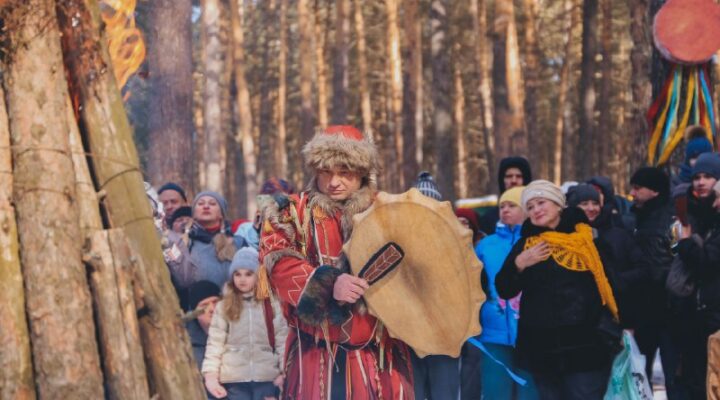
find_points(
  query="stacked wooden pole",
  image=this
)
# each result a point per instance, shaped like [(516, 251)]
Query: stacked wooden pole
[(88, 307)]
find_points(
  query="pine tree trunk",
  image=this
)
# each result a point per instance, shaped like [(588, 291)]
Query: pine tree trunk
[(16, 375), (170, 115), (640, 85), (395, 117), (320, 64), (509, 121), (531, 72), (281, 161), (307, 112), (115, 166), (214, 127), (245, 131), (65, 354), (571, 8), (365, 106), (441, 93), (607, 134), (461, 187), (340, 61), (586, 160), (478, 9), (266, 82), (412, 92)]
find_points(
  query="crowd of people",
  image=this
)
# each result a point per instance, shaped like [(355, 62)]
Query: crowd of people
[(272, 310)]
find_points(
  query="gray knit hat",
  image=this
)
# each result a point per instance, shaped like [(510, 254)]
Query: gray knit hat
[(544, 189), (215, 195), (708, 163), (427, 186), (245, 258)]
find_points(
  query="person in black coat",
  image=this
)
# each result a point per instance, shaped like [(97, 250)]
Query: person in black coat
[(699, 250), (561, 309), (661, 324), (621, 256), (513, 171)]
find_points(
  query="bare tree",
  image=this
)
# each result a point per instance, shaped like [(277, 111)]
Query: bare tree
[(395, 118), (586, 160), (412, 92), (441, 96)]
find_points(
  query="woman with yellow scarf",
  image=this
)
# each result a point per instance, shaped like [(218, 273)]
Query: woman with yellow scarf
[(566, 302)]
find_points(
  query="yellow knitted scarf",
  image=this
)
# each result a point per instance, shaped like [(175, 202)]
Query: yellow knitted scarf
[(576, 252)]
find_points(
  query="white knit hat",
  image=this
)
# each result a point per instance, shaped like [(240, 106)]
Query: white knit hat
[(543, 189)]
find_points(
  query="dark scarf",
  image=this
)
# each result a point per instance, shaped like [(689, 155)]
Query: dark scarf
[(200, 233)]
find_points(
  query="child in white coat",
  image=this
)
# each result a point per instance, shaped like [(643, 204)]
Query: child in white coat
[(246, 340)]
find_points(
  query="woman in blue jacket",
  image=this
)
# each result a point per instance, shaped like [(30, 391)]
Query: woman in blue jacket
[(499, 317)]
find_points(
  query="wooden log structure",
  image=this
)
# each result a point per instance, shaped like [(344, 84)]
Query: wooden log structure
[(16, 377), (59, 309), (114, 163), (111, 278), (713, 374)]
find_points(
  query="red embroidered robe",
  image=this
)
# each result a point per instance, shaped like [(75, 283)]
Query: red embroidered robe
[(301, 245)]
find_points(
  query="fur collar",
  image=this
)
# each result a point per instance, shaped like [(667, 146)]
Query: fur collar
[(358, 202)]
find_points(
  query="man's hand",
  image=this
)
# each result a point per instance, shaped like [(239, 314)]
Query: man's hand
[(533, 255), (279, 380), (212, 384), (349, 288)]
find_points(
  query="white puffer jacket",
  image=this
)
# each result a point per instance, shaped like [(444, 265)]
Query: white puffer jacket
[(239, 351)]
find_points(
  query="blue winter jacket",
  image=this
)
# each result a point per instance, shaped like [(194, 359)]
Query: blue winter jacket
[(498, 317)]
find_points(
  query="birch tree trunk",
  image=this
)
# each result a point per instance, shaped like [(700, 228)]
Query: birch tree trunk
[(412, 92), (441, 97), (170, 65), (365, 107), (16, 375), (478, 9), (340, 62), (320, 64), (65, 354), (115, 166), (395, 116)]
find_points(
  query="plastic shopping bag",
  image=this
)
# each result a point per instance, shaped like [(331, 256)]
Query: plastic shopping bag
[(627, 378)]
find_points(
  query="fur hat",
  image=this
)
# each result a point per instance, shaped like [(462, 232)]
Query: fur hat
[(343, 146), (520, 163), (513, 195), (245, 258), (652, 178), (542, 189), (427, 186), (708, 163)]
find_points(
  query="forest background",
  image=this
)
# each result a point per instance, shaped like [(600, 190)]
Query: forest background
[(230, 89)]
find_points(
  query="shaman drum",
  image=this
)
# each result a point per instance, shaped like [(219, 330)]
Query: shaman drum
[(423, 273)]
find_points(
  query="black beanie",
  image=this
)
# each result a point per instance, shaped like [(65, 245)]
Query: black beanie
[(520, 163), (582, 192), (652, 178), (200, 291), (185, 211), (427, 186), (173, 186), (708, 163)]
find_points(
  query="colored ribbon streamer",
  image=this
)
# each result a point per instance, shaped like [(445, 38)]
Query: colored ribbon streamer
[(515, 377)]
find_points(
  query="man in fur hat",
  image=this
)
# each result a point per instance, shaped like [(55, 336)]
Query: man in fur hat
[(335, 349)]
